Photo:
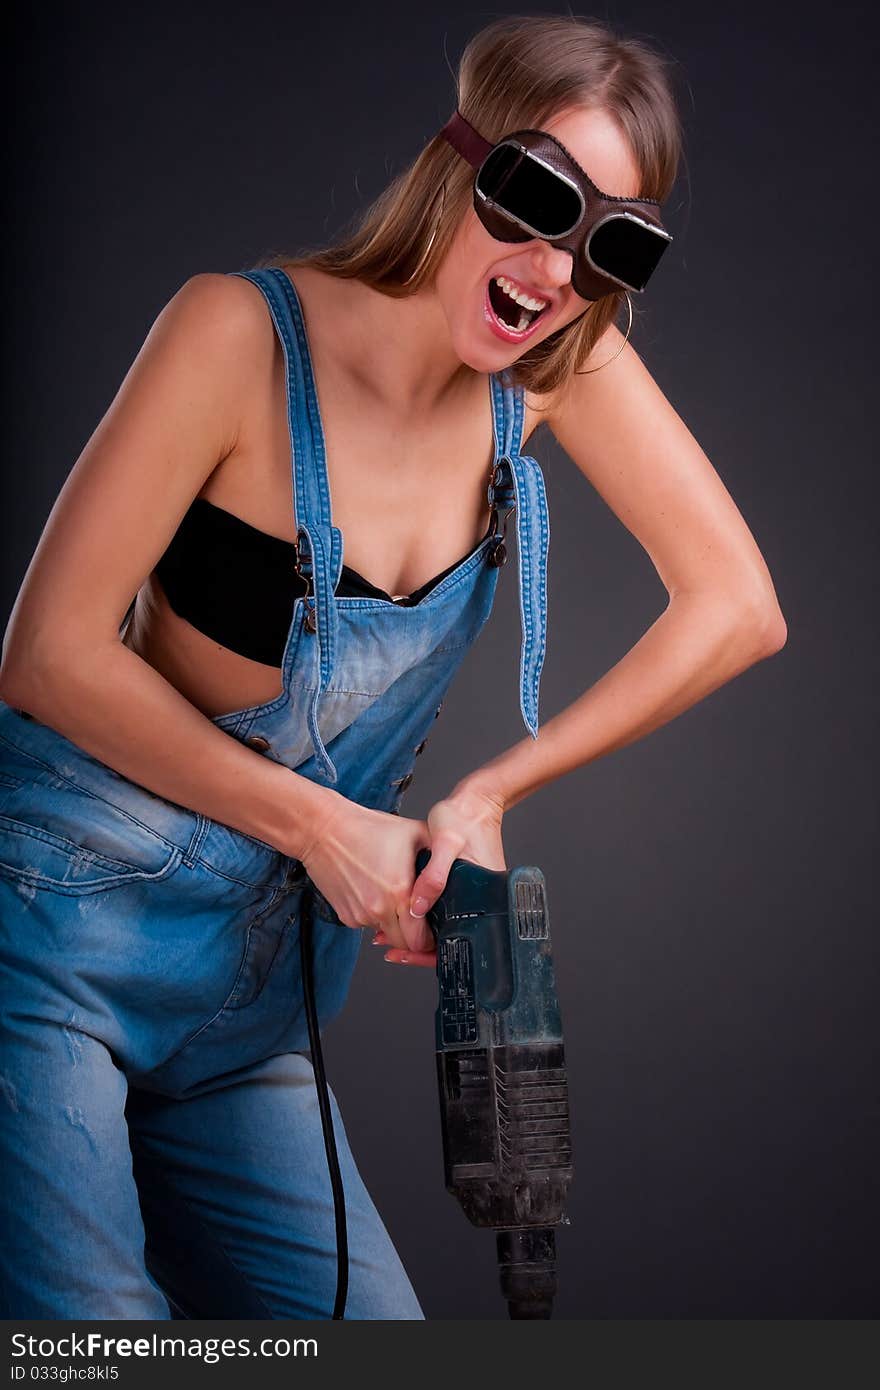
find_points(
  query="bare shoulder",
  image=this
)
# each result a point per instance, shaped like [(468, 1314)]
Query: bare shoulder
[(215, 339), (551, 407), (219, 312)]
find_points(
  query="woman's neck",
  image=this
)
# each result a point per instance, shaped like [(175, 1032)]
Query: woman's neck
[(400, 348)]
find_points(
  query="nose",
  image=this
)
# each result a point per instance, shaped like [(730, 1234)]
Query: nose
[(552, 266)]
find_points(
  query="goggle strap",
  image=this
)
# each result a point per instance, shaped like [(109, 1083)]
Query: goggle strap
[(467, 141)]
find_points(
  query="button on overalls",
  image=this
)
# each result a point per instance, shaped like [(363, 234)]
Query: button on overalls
[(162, 1149)]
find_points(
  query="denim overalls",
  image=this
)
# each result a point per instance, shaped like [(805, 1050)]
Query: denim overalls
[(161, 1132)]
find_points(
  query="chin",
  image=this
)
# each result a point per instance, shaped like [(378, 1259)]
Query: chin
[(481, 358)]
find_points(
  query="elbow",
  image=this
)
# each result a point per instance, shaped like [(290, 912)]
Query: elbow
[(776, 632), (39, 672), (10, 684), (25, 679), (16, 687), (763, 627)]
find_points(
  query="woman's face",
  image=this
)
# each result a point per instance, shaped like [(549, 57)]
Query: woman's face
[(537, 269)]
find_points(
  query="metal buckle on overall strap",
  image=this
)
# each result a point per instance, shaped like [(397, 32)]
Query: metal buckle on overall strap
[(305, 570), (501, 495)]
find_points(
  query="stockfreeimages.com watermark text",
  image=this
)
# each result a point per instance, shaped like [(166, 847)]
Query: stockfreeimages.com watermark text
[(94, 1345)]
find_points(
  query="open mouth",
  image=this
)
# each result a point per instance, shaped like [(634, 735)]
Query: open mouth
[(514, 311)]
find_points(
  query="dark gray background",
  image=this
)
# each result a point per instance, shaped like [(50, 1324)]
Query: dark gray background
[(710, 886)]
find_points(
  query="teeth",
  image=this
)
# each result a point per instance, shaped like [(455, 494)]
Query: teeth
[(524, 300)]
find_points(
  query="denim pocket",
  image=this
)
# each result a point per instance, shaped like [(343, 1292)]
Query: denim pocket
[(46, 860), (17, 769), (58, 836)]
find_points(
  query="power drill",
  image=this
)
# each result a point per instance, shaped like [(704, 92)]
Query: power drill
[(501, 1070)]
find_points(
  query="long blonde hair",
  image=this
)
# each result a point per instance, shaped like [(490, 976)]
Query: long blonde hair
[(515, 73)]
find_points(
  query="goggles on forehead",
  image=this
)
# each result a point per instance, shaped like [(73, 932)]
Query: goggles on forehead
[(528, 185)]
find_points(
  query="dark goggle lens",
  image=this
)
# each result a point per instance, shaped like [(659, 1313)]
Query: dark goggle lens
[(627, 251), (525, 189)]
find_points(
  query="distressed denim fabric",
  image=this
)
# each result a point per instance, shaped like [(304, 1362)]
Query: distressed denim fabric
[(161, 1144)]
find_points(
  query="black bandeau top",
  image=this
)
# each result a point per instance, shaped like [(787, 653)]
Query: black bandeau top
[(237, 584)]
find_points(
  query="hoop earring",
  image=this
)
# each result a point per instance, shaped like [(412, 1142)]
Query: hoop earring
[(427, 251), (622, 345)]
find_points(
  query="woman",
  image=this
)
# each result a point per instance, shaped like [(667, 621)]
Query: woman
[(171, 773)]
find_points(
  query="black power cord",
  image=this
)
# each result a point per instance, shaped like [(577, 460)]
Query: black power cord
[(306, 959)]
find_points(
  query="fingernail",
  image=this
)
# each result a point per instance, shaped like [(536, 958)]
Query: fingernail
[(418, 907), (399, 960), (378, 941)]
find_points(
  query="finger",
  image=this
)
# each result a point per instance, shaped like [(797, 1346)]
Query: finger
[(387, 929), (394, 934), (396, 957), (432, 880), (417, 934)]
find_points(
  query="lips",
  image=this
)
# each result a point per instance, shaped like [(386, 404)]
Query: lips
[(502, 330)]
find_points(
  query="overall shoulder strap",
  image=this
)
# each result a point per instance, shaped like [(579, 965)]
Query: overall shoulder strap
[(311, 492), (319, 542), (521, 482)]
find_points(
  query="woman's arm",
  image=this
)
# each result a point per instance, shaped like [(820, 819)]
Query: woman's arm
[(722, 615), (175, 417), (721, 618)]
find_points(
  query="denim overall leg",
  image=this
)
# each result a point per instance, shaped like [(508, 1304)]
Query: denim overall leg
[(150, 956)]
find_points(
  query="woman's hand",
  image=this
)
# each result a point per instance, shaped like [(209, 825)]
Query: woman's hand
[(464, 825), (364, 863)]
